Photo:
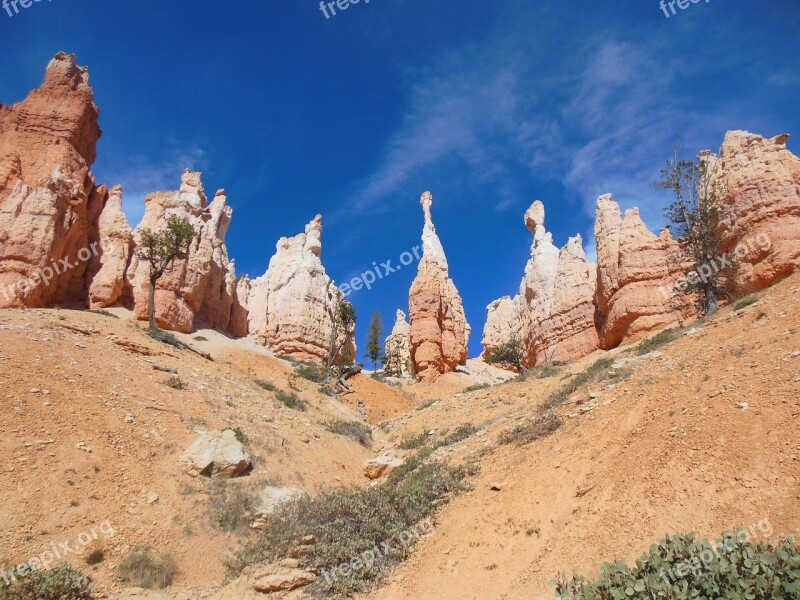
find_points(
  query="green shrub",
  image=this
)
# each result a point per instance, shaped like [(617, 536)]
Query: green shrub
[(311, 372), (241, 436), (530, 431), (539, 372), (95, 557), (426, 404), (230, 507), (59, 583), (200, 338), (165, 337), (352, 429), (266, 385), (682, 567), (509, 353), (657, 341), (175, 383), (142, 568), (413, 442), (476, 388), (347, 523), (460, 434), (290, 400), (745, 302), (590, 375), (105, 313)]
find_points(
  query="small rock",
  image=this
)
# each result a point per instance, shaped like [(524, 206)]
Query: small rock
[(743, 405), (35, 390), (129, 418), (496, 487), (152, 499), (382, 465)]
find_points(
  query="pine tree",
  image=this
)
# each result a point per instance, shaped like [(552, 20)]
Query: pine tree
[(374, 339), (160, 249)]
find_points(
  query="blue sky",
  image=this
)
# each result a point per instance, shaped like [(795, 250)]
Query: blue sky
[(490, 105)]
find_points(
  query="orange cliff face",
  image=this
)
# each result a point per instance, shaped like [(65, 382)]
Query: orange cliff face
[(439, 331), (49, 204)]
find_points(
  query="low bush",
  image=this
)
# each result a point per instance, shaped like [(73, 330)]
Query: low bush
[(530, 431), (682, 567), (290, 400), (241, 436), (347, 523), (200, 338), (459, 435), (745, 302), (413, 442), (352, 429), (105, 313), (476, 388), (539, 372), (59, 583), (590, 375), (657, 341), (175, 383), (146, 569), (165, 337), (314, 373), (266, 385), (230, 506)]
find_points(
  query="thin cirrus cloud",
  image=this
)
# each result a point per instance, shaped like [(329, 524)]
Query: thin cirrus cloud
[(519, 111), (140, 176)]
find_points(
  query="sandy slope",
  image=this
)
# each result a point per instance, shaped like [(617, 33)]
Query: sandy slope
[(668, 450)]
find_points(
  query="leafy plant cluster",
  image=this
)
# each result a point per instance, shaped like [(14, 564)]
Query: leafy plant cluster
[(352, 429), (347, 522), (530, 431), (683, 568), (59, 583), (594, 373)]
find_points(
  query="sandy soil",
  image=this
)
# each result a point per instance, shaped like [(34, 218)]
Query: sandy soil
[(90, 433)]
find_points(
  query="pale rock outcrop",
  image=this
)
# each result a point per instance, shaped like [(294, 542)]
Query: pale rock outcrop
[(217, 454), (553, 316), (47, 145), (759, 182), (105, 274), (503, 323), (291, 307), (203, 285), (636, 271), (439, 331), (397, 344), (382, 466)]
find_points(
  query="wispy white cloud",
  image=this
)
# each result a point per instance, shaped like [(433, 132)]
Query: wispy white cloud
[(140, 176)]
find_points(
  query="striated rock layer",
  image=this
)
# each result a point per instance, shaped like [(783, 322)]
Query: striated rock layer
[(553, 316), (759, 182), (439, 330), (48, 198), (203, 285), (291, 306)]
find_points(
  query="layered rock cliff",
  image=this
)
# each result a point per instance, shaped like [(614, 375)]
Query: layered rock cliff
[(636, 270), (48, 198), (202, 286), (759, 183), (553, 316), (291, 306), (439, 331)]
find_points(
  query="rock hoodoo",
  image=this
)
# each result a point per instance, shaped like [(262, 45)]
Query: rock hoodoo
[(204, 284), (291, 306), (553, 316), (439, 330), (759, 182), (635, 269), (48, 197), (396, 346)]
